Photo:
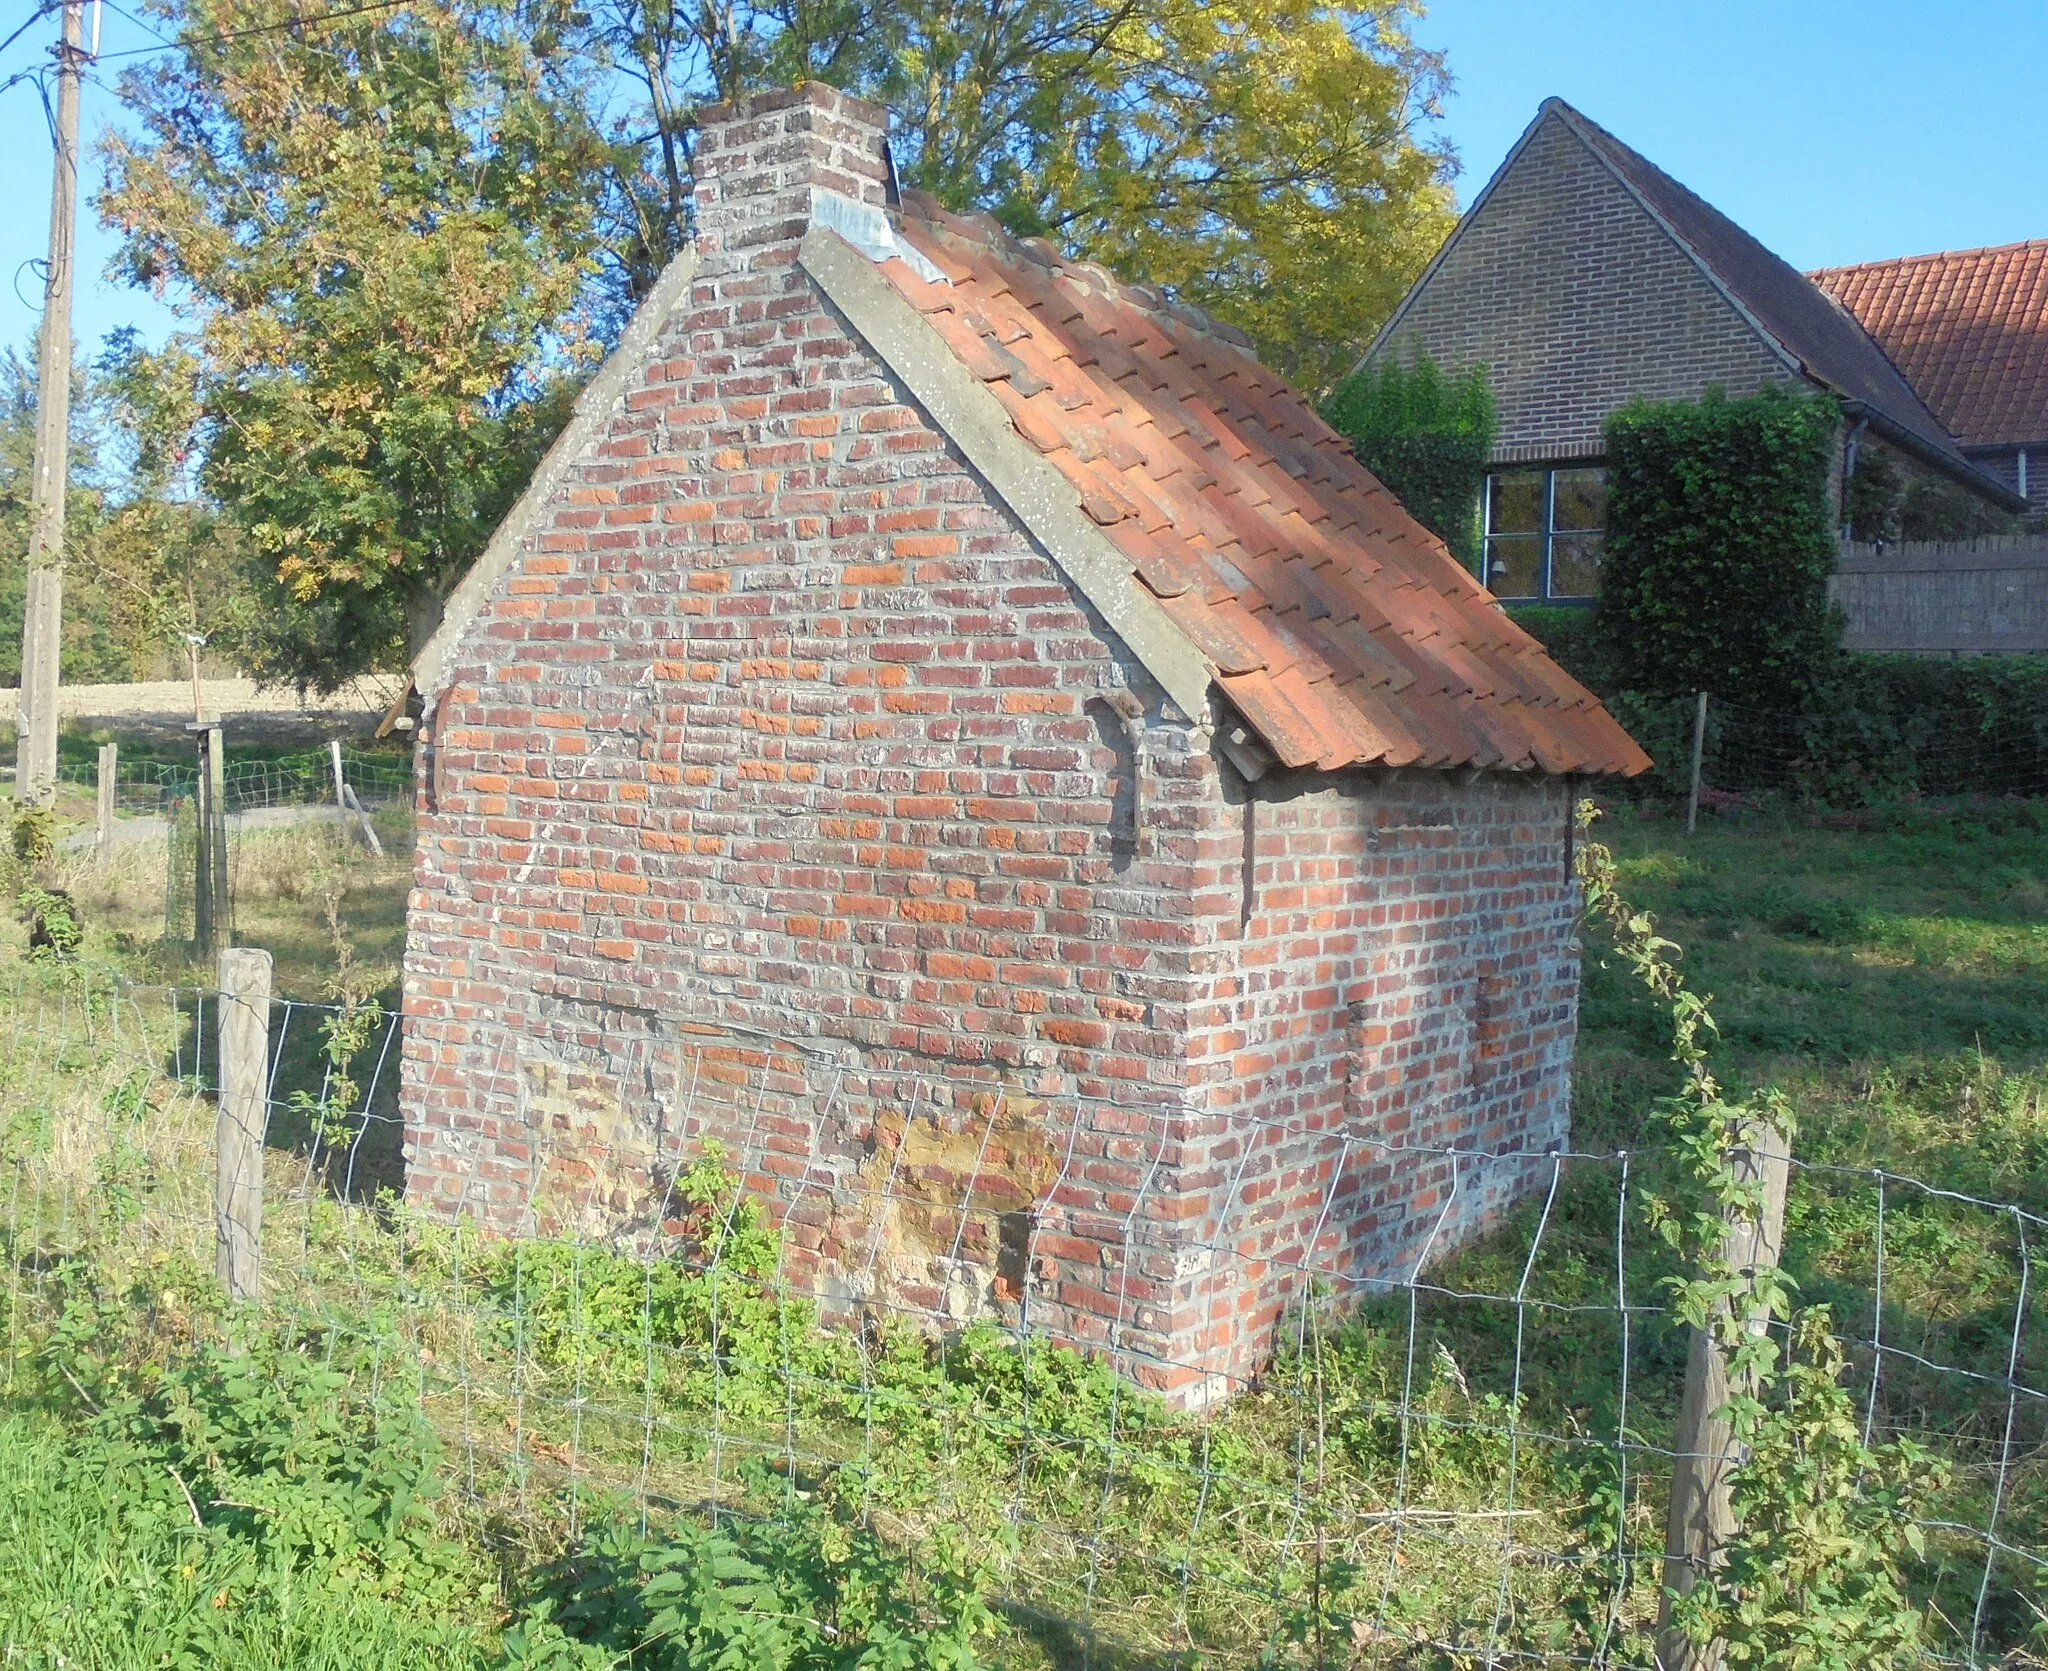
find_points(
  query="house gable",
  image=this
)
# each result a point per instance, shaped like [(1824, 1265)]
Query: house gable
[(787, 791), (1576, 297)]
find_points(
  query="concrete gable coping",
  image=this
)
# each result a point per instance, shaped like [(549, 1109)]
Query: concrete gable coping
[(594, 409), (1048, 505)]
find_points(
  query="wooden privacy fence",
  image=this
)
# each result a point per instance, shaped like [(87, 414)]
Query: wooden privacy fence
[(1967, 597)]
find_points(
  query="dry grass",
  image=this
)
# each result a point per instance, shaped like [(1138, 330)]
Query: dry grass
[(282, 879)]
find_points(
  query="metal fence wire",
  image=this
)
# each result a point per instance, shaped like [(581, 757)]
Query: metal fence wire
[(154, 788), (181, 837), (1842, 756), (1464, 1462)]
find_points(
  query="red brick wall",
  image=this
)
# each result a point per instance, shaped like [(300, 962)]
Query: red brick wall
[(1406, 985), (780, 725), (778, 797), (1563, 285)]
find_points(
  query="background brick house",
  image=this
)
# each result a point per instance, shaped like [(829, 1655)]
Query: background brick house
[(959, 732), (1582, 276), (1969, 329)]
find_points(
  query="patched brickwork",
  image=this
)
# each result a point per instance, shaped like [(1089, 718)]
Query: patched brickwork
[(781, 796), (1568, 291), (1406, 987)]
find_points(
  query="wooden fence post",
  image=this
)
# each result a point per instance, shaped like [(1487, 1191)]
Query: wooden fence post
[(1702, 1515), (210, 905), (1699, 747), (110, 764), (345, 802), (244, 1058), (340, 785)]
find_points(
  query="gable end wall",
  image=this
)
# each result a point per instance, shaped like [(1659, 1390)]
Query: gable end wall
[(1576, 299), (768, 805)]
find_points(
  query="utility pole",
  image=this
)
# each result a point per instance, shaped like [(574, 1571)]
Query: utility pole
[(42, 627)]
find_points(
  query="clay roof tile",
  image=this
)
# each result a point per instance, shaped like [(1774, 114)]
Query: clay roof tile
[(1341, 630)]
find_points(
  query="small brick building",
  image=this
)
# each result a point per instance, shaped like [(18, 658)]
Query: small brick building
[(958, 732)]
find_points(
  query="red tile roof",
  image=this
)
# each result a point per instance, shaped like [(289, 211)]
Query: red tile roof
[(1969, 328), (1338, 626)]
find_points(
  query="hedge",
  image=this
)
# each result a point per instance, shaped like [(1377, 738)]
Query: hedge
[(1719, 546), (1868, 729), (1426, 434)]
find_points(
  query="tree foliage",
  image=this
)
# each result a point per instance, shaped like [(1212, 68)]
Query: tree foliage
[(146, 561), (1719, 547), (402, 234), (382, 228), (1265, 158), (1426, 434)]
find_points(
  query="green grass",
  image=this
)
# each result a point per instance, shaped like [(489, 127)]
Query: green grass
[(1875, 972)]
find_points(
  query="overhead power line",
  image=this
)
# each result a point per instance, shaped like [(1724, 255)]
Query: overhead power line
[(279, 28), (34, 17)]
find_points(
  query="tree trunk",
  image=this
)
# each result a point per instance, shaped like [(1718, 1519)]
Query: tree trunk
[(422, 620)]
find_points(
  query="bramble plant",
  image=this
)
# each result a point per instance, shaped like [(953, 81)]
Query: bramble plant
[(33, 835), (54, 930), (1811, 1579), (347, 1029), (815, 1589)]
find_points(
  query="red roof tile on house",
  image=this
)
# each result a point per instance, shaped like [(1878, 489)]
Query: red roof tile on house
[(1969, 328), (1339, 627)]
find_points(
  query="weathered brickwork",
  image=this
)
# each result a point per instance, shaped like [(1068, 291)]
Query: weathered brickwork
[(786, 795), (1574, 298), (1405, 986)]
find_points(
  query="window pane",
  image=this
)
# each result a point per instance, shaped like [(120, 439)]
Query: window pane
[(1574, 565), (1514, 503), (1581, 500), (1514, 565)]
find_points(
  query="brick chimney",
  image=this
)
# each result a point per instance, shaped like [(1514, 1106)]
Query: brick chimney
[(767, 166)]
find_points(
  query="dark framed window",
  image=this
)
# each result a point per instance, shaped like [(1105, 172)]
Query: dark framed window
[(1543, 533)]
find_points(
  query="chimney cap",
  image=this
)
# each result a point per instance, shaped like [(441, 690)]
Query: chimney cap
[(818, 95)]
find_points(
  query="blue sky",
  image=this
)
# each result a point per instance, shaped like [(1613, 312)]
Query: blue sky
[(1834, 131)]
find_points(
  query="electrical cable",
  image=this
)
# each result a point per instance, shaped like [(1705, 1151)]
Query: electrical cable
[(34, 17), (187, 44)]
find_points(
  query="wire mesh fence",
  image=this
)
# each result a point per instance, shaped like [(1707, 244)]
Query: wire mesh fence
[(1465, 1457), (1844, 756), (157, 788), (161, 801)]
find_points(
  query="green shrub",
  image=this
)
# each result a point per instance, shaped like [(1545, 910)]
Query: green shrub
[(103, 1568), (1426, 434), (1813, 1576), (814, 1589), (275, 1443), (1889, 499), (1719, 547)]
